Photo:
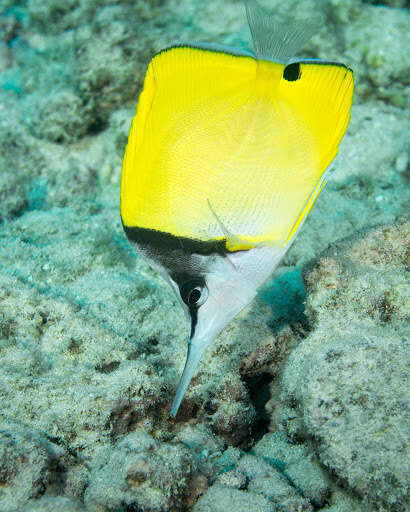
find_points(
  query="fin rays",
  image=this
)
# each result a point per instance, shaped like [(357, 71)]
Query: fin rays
[(275, 41)]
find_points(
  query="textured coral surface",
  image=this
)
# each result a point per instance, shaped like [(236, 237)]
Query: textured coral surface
[(302, 403)]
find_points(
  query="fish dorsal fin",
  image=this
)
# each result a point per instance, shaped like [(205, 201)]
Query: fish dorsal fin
[(274, 40)]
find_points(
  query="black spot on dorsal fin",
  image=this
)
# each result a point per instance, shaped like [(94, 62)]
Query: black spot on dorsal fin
[(291, 73)]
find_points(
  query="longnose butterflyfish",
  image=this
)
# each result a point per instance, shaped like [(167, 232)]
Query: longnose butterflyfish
[(226, 156)]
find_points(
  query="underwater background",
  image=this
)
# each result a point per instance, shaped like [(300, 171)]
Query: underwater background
[(302, 403)]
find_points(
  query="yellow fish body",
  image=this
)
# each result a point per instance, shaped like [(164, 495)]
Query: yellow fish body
[(226, 156)]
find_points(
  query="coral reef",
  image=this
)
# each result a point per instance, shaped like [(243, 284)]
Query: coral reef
[(29, 464), (221, 498), (51, 504), (137, 475), (343, 385), (302, 402)]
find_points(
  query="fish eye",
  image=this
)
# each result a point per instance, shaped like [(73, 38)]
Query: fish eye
[(194, 293)]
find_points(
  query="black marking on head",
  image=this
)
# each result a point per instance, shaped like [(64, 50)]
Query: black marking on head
[(194, 320), (190, 292), (151, 238), (193, 313), (291, 73), (194, 293), (174, 254)]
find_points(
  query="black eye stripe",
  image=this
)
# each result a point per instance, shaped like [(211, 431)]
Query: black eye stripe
[(194, 292)]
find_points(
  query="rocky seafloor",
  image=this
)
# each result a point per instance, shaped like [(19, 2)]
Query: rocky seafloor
[(302, 403)]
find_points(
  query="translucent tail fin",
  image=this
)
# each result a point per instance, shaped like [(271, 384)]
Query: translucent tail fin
[(275, 40)]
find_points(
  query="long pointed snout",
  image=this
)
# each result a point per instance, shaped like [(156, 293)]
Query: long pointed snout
[(222, 305), (195, 352)]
